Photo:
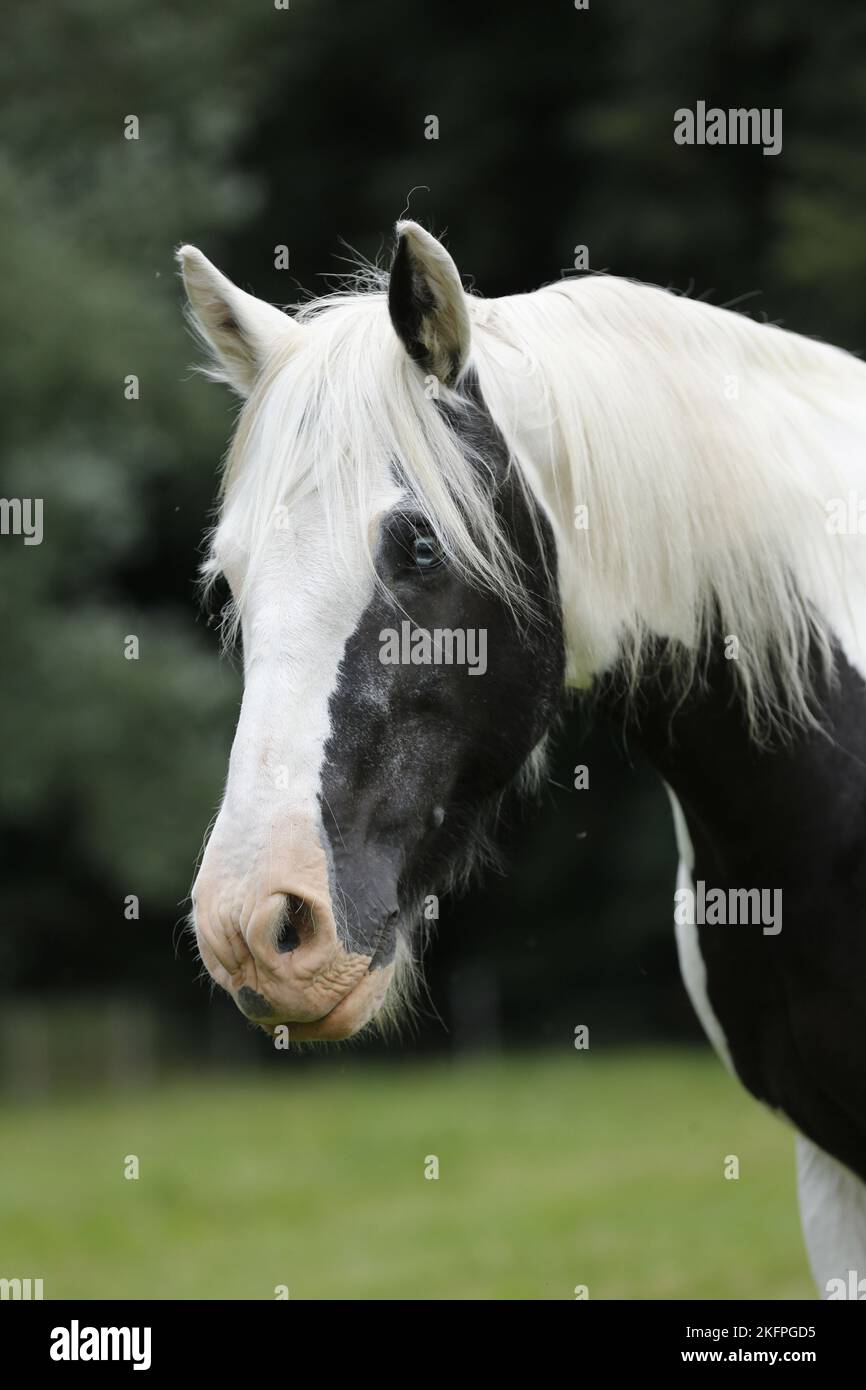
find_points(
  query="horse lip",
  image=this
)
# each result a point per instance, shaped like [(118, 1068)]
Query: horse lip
[(383, 939), (253, 1005), (309, 1030), (258, 1009)]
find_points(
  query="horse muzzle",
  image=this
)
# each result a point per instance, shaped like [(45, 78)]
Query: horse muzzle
[(272, 943)]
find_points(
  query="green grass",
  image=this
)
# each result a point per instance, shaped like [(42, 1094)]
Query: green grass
[(554, 1171)]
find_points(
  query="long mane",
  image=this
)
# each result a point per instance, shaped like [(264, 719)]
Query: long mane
[(703, 446)]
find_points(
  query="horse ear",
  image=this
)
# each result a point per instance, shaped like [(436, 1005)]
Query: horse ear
[(427, 304), (242, 330)]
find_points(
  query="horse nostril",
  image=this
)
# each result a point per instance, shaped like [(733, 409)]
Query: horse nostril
[(295, 925)]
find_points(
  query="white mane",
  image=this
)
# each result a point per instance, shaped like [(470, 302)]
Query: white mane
[(703, 446)]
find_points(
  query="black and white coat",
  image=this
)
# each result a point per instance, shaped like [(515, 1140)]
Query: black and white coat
[(626, 491)]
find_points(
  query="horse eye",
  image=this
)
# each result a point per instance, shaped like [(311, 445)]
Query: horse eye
[(427, 553)]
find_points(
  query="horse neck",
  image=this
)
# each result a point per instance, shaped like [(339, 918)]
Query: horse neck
[(753, 809)]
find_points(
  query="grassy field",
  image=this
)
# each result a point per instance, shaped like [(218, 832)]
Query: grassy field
[(553, 1172)]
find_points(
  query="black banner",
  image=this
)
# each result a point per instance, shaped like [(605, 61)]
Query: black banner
[(155, 1338)]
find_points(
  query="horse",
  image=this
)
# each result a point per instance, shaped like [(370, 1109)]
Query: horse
[(632, 494)]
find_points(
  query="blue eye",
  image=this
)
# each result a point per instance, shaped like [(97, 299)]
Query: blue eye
[(427, 552)]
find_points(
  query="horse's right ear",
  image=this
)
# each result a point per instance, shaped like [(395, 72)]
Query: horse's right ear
[(427, 304), (242, 331)]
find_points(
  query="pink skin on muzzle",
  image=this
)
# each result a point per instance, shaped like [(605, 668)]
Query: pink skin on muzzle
[(319, 989)]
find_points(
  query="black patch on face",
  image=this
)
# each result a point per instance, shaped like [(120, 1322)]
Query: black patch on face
[(792, 1006), (419, 753)]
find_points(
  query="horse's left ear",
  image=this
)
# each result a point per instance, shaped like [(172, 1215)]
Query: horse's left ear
[(427, 304)]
